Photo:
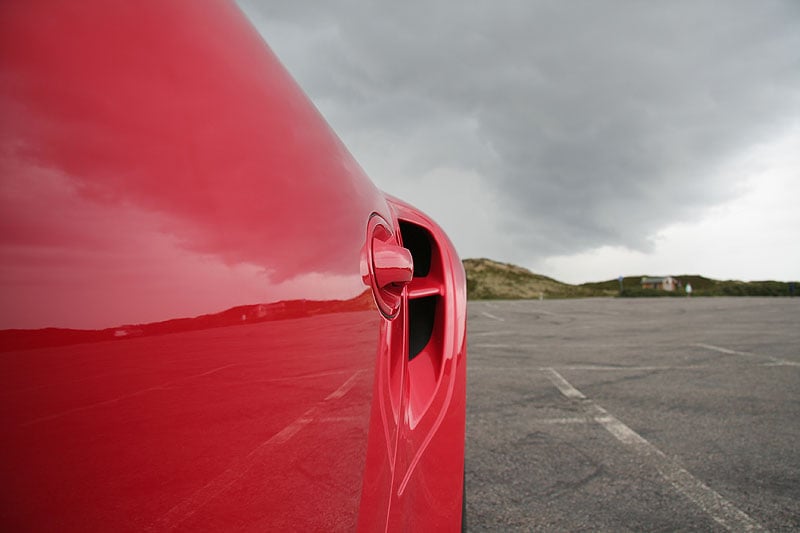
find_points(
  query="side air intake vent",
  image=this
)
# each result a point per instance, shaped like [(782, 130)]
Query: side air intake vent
[(418, 242), (424, 291), (425, 315), (434, 315), (421, 316)]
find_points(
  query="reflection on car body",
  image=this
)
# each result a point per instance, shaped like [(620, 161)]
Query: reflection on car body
[(191, 330)]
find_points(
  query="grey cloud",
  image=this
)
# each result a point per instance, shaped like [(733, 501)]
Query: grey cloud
[(592, 123)]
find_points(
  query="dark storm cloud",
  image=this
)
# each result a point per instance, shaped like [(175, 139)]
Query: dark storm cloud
[(591, 123)]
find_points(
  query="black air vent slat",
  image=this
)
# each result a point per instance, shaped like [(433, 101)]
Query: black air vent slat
[(418, 242), (421, 317)]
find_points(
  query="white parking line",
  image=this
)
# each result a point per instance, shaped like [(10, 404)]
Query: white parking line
[(774, 360), (711, 502), (489, 333), (541, 312), (602, 368), (490, 315), (493, 368), (563, 385), (515, 346), (644, 368), (560, 421)]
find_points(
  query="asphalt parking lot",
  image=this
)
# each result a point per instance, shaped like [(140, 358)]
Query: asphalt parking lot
[(669, 414)]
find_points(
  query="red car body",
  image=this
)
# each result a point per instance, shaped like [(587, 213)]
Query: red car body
[(208, 320)]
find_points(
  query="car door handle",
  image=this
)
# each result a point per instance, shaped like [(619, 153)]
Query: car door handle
[(392, 264)]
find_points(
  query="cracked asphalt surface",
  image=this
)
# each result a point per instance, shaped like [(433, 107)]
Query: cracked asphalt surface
[(668, 414)]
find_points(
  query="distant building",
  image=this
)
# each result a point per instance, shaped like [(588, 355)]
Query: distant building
[(667, 283)]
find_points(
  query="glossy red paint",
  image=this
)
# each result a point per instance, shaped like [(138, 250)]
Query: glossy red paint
[(430, 456), (390, 266), (189, 333)]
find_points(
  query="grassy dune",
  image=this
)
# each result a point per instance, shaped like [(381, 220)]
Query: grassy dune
[(492, 280)]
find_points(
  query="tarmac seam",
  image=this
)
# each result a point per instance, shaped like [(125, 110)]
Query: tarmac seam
[(707, 499)]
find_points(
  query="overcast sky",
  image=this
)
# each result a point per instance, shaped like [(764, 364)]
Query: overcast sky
[(583, 140)]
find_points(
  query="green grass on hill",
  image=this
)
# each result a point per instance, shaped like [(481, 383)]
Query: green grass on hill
[(488, 280), (491, 280)]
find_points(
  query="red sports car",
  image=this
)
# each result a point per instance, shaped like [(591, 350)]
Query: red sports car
[(211, 318)]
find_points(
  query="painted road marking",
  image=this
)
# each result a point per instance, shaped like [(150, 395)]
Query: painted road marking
[(643, 368), (602, 368), (563, 385), (481, 368), (490, 315), (490, 333), (560, 421), (774, 360), (707, 499), (503, 345), (532, 306), (541, 312), (239, 468)]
